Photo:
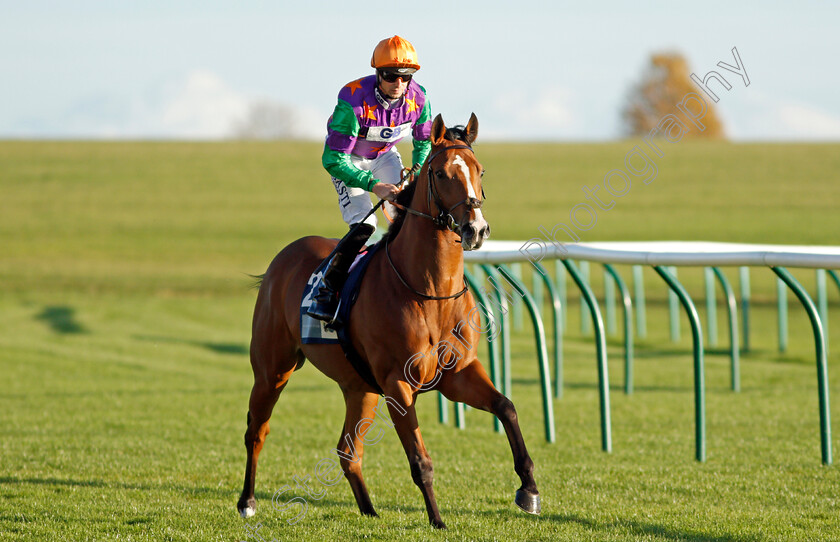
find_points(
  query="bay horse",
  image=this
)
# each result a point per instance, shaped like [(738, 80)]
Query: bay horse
[(409, 301)]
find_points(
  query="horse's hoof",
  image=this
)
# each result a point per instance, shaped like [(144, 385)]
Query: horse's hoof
[(438, 524), (529, 502), (247, 507)]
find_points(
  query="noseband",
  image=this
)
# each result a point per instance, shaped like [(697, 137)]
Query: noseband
[(444, 219)]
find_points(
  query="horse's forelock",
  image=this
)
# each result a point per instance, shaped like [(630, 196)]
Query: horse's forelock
[(456, 133)]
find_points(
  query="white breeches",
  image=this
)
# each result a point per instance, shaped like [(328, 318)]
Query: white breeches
[(355, 203)]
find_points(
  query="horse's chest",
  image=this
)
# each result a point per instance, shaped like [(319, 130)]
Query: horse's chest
[(433, 327)]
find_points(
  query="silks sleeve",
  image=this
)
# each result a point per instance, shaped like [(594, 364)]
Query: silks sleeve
[(342, 131), (422, 130)]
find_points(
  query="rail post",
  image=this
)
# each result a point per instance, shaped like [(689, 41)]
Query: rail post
[(822, 364), (732, 311), (542, 354), (601, 349), (699, 378), (627, 303)]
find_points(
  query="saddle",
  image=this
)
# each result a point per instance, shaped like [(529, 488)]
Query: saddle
[(315, 331)]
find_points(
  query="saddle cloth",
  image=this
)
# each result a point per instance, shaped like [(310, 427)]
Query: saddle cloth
[(313, 331)]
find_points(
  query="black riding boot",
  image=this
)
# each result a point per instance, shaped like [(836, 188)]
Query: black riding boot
[(325, 302)]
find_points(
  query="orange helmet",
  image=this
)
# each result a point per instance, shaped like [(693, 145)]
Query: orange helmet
[(394, 52)]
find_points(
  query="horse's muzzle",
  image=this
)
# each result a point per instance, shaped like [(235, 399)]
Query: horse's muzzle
[(474, 233)]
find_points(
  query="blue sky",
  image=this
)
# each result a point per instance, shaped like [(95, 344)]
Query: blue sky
[(529, 70)]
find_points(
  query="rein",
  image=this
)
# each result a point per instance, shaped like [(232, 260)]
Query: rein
[(421, 294)]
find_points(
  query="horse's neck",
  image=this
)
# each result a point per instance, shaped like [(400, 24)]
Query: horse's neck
[(429, 258)]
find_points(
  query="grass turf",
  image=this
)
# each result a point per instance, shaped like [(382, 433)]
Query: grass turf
[(125, 314)]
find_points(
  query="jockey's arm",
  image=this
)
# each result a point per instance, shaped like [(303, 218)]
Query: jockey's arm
[(420, 133), (338, 165), (343, 129)]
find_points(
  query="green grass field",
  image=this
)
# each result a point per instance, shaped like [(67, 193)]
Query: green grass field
[(124, 377)]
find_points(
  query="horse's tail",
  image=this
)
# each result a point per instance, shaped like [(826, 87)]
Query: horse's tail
[(258, 280)]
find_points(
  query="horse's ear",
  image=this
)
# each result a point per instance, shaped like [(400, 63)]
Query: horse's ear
[(472, 129), (438, 130)]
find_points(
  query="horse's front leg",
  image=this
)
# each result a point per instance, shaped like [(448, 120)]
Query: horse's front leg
[(404, 419), (472, 386)]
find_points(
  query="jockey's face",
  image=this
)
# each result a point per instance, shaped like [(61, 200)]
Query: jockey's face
[(395, 89)]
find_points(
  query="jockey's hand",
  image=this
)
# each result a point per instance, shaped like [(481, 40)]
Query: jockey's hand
[(386, 191)]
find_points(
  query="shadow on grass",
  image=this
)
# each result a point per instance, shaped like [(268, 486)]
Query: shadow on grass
[(349, 503), (61, 319), (617, 388), (217, 491), (648, 529), (640, 352), (637, 528), (787, 359), (233, 349)]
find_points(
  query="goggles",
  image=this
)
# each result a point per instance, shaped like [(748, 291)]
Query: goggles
[(392, 76)]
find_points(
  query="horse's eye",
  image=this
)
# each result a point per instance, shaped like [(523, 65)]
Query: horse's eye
[(482, 173), (440, 174)]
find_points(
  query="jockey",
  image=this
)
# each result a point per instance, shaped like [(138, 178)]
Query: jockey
[(373, 114)]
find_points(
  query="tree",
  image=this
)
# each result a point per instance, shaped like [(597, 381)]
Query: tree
[(267, 120), (664, 84)]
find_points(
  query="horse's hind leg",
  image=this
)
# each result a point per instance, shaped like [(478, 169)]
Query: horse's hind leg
[(360, 406), (271, 374), (471, 386)]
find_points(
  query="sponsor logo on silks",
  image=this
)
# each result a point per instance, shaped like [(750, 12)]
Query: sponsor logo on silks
[(388, 134)]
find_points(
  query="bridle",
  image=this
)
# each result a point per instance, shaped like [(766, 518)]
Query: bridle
[(444, 219)]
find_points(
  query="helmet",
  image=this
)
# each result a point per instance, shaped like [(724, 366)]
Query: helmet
[(395, 52)]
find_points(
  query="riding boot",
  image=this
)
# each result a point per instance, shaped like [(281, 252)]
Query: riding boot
[(325, 302)]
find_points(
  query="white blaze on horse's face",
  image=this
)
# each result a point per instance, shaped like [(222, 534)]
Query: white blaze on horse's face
[(479, 225), (465, 169)]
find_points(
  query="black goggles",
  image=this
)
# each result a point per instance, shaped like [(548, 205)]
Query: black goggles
[(391, 77)]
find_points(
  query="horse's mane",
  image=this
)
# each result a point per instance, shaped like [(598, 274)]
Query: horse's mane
[(455, 133), (403, 198)]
